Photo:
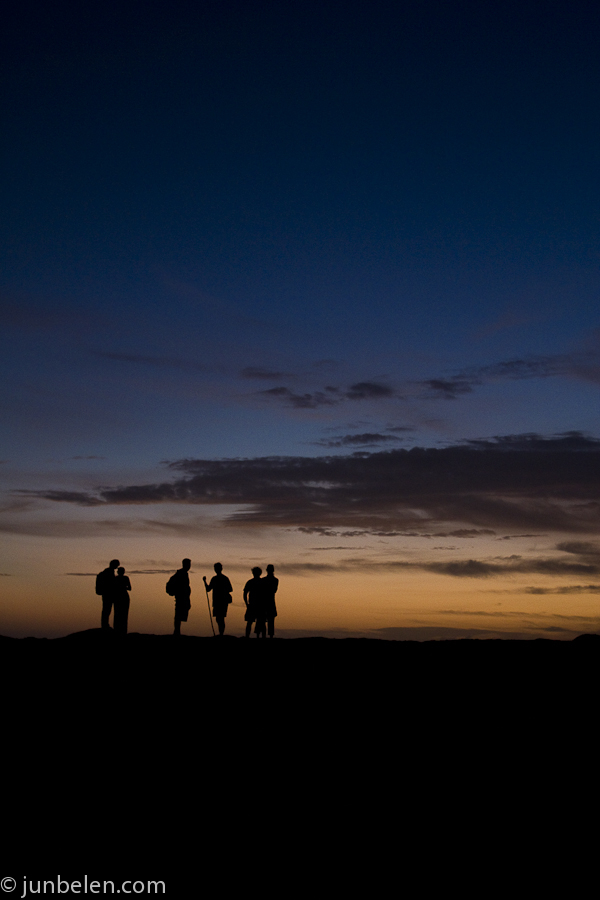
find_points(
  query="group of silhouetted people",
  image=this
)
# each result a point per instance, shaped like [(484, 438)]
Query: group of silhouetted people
[(114, 589), (259, 597)]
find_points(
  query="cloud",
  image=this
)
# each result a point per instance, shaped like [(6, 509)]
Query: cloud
[(357, 440), (528, 367), (78, 497), (449, 389), (460, 533), (517, 483), (368, 390), (465, 568), (329, 395), (130, 572), (565, 441), (565, 589), (266, 374), (109, 528), (472, 568), (584, 365), (583, 549), (342, 547), (82, 574)]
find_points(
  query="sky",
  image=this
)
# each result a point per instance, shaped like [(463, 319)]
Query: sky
[(308, 283)]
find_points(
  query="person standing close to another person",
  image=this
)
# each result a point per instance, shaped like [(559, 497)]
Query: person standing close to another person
[(105, 588), (253, 590), (270, 585), (178, 586), (220, 586), (121, 601)]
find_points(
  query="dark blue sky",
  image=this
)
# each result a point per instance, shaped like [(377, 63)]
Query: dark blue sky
[(258, 228), (324, 158)]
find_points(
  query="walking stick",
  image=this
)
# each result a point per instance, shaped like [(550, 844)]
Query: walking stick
[(208, 601)]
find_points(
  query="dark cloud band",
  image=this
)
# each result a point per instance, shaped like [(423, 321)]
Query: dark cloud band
[(519, 482)]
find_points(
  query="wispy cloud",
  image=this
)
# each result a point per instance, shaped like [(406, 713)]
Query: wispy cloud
[(584, 365), (329, 396), (458, 533), (73, 528), (129, 572), (565, 589), (259, 373), (449, 388), (368, 439), (368, 390)]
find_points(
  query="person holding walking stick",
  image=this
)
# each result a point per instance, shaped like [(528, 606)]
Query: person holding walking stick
[(220, 586)]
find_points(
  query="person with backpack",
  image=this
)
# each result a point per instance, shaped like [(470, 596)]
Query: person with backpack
[(178, 586), (105, 588)]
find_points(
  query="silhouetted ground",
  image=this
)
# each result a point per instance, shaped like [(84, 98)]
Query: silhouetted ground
[(163, 758), (195, 669)]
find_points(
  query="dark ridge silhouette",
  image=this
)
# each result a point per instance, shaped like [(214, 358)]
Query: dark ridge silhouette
[(361, 678), (317, 652), (160, 684), (136, 732)]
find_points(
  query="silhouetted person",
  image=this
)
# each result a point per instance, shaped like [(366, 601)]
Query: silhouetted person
[(253, 590), (105, 587), (270, 585), (220, 586), (121, 601), (181, 590)]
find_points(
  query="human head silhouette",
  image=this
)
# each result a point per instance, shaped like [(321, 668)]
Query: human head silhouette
[(185, 564), (270, 569), (256, 571), (218, 567), (114, 563), (121, 570)]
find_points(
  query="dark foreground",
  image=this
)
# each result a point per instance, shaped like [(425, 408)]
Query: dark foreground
[(92, 673), (300, 760), (236, 671)]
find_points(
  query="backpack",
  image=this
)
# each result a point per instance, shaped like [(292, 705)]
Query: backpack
[(171, 585), (102, 584)]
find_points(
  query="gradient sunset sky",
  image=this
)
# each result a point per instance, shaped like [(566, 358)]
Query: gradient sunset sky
[(306, 283)]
